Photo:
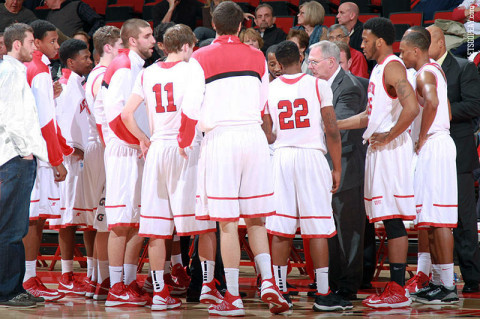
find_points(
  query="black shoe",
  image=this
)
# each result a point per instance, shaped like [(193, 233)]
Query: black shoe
[(19, 301), (470, 287), (288, 300), (347, 295), (439, 296), (423, 292), (35, 299), (331, 302), (312, 286), (292, 290), (193, 295)]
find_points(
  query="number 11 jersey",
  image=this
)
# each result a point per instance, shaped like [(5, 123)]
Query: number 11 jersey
[(294, 103)]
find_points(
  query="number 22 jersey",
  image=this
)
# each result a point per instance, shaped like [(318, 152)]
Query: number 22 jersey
[(294, 103)]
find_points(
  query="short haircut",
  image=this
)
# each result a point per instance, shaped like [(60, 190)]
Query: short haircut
[(314, 13), (422, 30), (301, 35), (41, 27), (131, 29), (160, 30), (329, 49), (338, 26), (417, 40), (344, 48), (264, 5), (251, 33), (178, 35), (381, 28), (287, 53), (271, 49), (85, 34), (108, 34), (70, 48), (226, 17), (15, 32)]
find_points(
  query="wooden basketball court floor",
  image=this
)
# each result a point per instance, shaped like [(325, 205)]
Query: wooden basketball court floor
[(80, 307)]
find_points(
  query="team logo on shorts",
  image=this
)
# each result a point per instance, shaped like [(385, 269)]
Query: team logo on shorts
[(100, 217), (102, 202)]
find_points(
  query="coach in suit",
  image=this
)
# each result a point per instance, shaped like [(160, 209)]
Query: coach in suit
[(349, 98), (464, 95)]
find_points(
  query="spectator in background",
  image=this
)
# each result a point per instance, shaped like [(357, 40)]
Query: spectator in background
[(345, 56), (300, 38), (158, 35), (71, 16), (206, 32), (83, 36), (358, 63), (265, 22), (13, 11), (251, 37), (348, 17), (3, 48), (310, 19), (178, 11), (462, 14)]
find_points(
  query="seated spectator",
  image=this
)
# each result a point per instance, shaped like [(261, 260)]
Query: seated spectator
[(251, 37), (70, 16), (348, 17), (310, 19), (83, 36), (359, 67), (428, 7), (206, 32), (13, 11), (300, 38), (3, 48), (178, 11), (462, 14), (265, 22), (274, 68)]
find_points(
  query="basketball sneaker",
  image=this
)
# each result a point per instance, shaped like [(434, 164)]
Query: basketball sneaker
[(36, 287), (68, 284), (417, 282), (176, 288), (180, 274), (438, 295), (90, 287), (393, 296), (271, 295), (121, 295), (331, 302), (231, 306), (163, 301), (133, 286), (148, 285), (101, 291), (210, 294)]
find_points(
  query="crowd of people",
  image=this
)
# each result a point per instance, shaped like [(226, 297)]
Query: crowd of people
[(131, 147)]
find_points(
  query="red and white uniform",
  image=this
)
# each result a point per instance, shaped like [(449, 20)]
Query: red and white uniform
[(169, 183), (123, 162), (435, 179), (227, 94), (72, 110), (302, 176), (45, 198), (94, 169), (388, 177)]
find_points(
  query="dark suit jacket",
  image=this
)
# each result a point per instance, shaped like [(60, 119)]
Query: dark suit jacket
[(350, 98), (464, 95)]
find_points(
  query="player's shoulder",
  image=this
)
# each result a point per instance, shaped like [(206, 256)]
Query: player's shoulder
[(121, 61)]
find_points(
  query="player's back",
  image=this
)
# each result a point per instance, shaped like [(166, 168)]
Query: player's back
[(95, 75), (294, 103)]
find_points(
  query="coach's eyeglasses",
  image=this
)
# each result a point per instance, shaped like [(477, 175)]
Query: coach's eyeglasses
[(314, 62), (338, 37)]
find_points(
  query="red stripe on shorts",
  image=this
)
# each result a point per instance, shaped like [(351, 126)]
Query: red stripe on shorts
[(240, 197), (155, 217), (116, 206), (403, 196), (439, 205), (373, 198)]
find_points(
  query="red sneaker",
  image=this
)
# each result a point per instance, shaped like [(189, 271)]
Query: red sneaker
[(180, 274), (133, 286), (101, 291), (121, 295), (271, 295), (148, 285), (231, 306), (176, 288), (36, 287), (163, 301), (393, 296), (68, 284), (210, 295), (417, 282), (90, 287)]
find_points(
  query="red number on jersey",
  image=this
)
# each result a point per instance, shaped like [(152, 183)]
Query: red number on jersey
[(285, 120), (171, 107)]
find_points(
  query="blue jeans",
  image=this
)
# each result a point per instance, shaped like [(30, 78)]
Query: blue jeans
[(16, 182)]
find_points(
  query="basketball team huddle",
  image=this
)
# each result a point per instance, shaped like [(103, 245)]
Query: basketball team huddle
[(172, 149)]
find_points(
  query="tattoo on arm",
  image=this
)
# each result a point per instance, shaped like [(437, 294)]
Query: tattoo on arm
[(402, 89)]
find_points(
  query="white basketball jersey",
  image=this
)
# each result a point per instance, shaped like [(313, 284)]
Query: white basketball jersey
[(294, 103), (163, 86), (442, 118), (96, 74)]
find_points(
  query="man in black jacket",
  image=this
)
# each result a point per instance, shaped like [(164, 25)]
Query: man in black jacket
[(265, 22), (348, 16)]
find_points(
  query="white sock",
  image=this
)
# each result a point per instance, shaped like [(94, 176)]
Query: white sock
[(167, 267), (103, 271), (321, 275), (130, 273), (231, 278), (116, 274), (157, 279), (94, 270), (176, 259), (208, 269), (89, 267), (67, 266), (436, 275), (424, 263), (281, 277), (445, 274), (264, 263), (30, 269)]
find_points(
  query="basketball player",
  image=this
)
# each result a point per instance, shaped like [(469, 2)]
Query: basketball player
[(435, 173), (234, 177), (124, 165), (45, 199), (391, 108)]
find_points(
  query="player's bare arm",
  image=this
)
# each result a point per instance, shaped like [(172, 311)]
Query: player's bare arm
[(267, 128), (427, 96), (449, 110), (357, 121), (334, 143), (397, 85), (129, 120)]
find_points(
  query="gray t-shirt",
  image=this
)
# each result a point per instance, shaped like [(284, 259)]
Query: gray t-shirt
[(7, 18)]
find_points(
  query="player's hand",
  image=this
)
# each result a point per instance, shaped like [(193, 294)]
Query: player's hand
[(182, 152), (28, 157), (144, 146), (379, 139), (60, 173), (78, 154), (419, 144), (57, 89), (336, 176), (247, 16)]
